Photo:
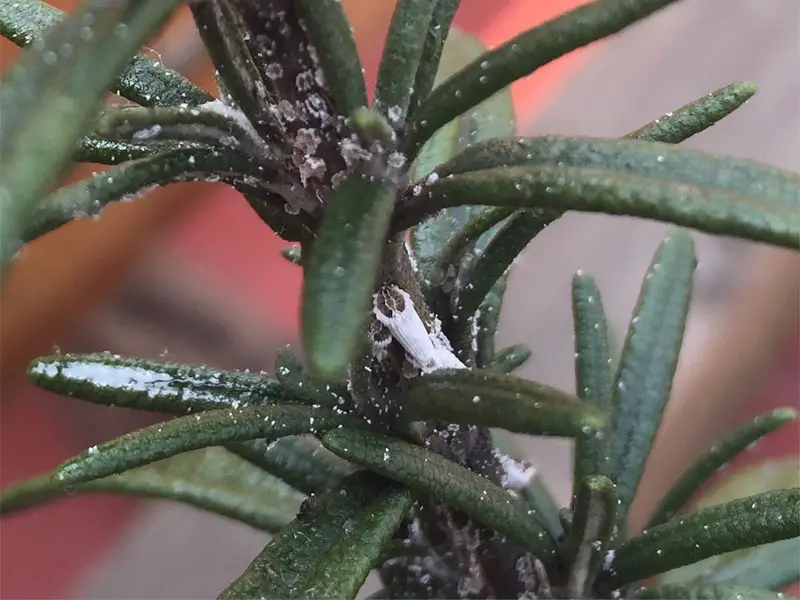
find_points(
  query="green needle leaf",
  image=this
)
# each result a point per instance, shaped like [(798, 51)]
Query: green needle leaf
[(705, 208), (497, 400), (487, 319), (282, 568), (510, 359), (771, 566), (536, 493), (192, 432), (152, 385), (211, 479), (648, 362), (51, 93), (743, 523), (341, 272), (430, 69), (299, 461), (293, 376), (716, 458), (429, 473), (707, 592), (89, 197), (592, 374), (113, 152), (676, 126), (521, 56), (592, 529), (144, 81), (332, 37), (401, 58), (348, 562)]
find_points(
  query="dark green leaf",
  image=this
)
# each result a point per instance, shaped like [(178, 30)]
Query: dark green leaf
[(401, 58), (487, 320), (280, 569), (676, 126), (497, 400), (360, 545), (536, 492), (495, 260), (709, 209), (510, 359), (113, 152), (224, 36), (90, 196), (771, 566), (633, 157), (743, 523), (592, 530), (716, 458), (152, 385), (429, 473), (211, 479), (294, 378), (707, 592), (144, 81), (330, 33), (521, 56), (213, 123), (592, 374), (341, 271), (300, 462), (647, 366), (430, 68), (438, 242), (50, 95), (192, 432)]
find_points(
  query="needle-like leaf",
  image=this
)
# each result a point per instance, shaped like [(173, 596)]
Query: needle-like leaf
[(591, 531), (647, 366), (294, 378), (510, 359), (521, 56), (192, 432), (674, 127), (123, 182), (341, 270), (402, 54), (50, 95), (743, 523), (282, 569), (716, 458), (706, 208), (498, 400), (211, 479), (592, 375), (430, 65), (706, 592), (153, 385), (429, 473), (144, 81), (348, 562), (330, 33)]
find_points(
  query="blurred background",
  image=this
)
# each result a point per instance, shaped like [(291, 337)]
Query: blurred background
[(190, 273)]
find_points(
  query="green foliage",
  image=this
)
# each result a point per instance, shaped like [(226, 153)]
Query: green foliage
[(409, 216)]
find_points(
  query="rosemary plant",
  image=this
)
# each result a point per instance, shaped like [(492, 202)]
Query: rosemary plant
[(379, 448)]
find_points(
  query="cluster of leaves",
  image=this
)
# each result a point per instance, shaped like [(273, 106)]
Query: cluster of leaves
[(381, 449)]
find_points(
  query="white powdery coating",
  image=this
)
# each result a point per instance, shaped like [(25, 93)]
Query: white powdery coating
[(516, 475), (131, 379), (427, 351)]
